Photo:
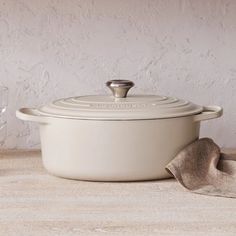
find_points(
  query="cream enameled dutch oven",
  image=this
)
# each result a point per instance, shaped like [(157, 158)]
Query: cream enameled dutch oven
[(116, 138)]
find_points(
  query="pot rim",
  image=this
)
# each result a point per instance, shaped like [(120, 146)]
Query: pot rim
[(31, 114)]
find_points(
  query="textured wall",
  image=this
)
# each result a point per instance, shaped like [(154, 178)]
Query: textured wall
[(51, 49)]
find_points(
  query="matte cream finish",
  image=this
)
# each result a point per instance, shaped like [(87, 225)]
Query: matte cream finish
[(134, 107), (114, 150)]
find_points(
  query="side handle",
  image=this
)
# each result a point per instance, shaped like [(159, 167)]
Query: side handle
[(209, 112), (30, 114)]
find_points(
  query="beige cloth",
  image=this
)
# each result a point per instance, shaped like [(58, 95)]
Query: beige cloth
[(202, 168)]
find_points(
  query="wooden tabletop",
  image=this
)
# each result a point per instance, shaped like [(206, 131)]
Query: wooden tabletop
[(33, 202)]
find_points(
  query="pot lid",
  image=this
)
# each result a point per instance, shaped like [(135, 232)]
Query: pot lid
[(119, 106)]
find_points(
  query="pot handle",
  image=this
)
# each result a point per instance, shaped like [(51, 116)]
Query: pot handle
[(31, 114), (209, 112)]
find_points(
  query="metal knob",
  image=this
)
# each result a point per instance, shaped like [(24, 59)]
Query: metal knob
[(119, 88)]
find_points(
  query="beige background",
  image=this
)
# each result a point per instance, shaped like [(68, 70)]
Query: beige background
[(51, 49)]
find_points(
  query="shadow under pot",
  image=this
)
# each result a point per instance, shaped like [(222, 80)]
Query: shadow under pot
[(118, 137)]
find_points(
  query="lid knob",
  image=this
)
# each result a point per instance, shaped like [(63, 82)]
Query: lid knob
[(119, 88)]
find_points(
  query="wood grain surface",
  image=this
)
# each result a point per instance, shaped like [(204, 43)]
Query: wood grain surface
[(33, 202)]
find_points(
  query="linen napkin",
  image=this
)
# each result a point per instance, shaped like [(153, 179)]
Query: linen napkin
[(202, 168)]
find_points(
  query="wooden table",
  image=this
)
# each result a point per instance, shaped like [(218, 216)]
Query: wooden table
[(35, 203)]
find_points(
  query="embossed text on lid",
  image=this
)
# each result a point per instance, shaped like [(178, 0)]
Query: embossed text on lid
[(129, 108)]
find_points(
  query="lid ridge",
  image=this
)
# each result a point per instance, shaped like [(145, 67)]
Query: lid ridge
[(133, 107)]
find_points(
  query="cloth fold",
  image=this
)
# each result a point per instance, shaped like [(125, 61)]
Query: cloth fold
[(202, 168)]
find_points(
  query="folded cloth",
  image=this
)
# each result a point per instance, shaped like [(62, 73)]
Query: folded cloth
[(202, 168)]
